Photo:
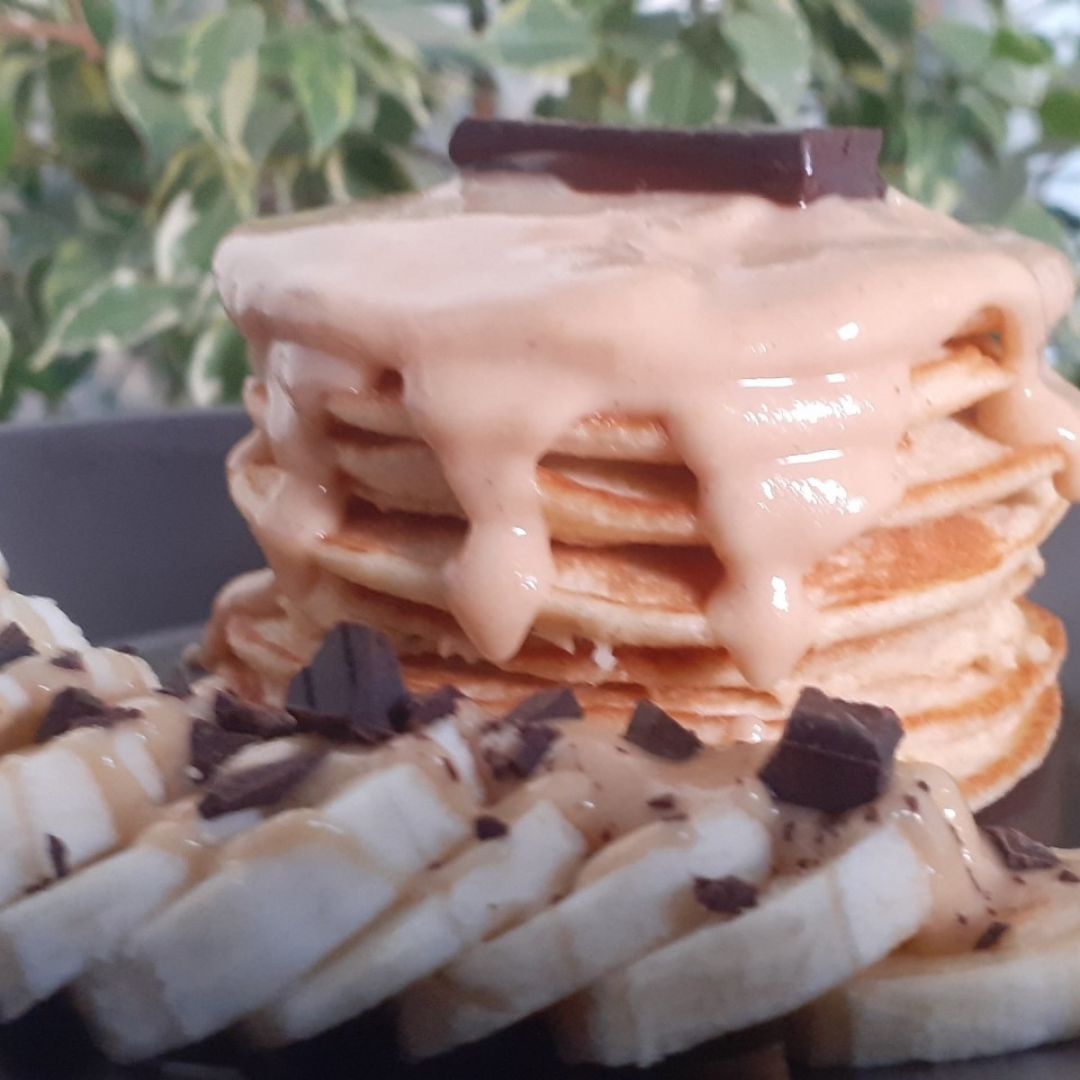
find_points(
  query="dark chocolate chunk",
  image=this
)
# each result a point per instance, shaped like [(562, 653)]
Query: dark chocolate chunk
[(355, 677), (181, 679), (425, 710), (793, 167), (58, 855), (557, 704), (1068, 877), (245, 718), (726, 895), (662, 802), (260, 785), (991, 935), (488, 827), (211, 745), (73, 708), (659, 734), (15, 643), (69, 660), (834, 755), (911, 803), (1018, 851), (526, 751)]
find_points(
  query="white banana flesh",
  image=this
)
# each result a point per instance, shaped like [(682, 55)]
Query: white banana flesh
[(806, 935), (606, 922)]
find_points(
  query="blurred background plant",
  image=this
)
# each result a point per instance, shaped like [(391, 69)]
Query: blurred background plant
[(134, 133)]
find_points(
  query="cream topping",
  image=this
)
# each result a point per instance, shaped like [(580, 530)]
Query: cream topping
[(775, 345)]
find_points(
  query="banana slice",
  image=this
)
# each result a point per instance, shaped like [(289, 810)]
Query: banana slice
[(28, 687), (807, 934), (87, 791), (492, 884), (634, 895), (49, 938), (1022, 992), (42, 621), (283, 896)]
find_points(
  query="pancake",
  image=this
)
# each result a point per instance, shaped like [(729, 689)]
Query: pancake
[(987, 718), (654, 596), (966, 372), (707, 465)]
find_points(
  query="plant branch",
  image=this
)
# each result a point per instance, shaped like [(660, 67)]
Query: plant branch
[(77, 34)]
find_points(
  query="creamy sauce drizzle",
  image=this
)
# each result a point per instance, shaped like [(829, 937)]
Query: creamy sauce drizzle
[(774, 344)]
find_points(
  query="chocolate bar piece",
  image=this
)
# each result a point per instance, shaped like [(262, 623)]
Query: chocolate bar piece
[(834, 754), (793, 167)]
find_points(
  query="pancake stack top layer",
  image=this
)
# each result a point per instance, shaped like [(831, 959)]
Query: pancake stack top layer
[(705, 445)]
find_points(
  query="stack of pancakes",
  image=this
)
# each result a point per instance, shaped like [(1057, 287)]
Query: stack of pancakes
[(923, 611)]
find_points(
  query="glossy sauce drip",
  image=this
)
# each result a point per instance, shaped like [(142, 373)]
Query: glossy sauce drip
[(616, 781), (774, 344)]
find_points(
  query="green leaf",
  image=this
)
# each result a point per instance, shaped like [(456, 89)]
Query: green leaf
[(541, 34), (119, 310), (773, 45), (964, 47), (221, 71), (154, 111), (79, 265), (1060, 115), (218, 364), (882, 25), (7, 139), (394, 121), (324, 83), (1033, 219), (1018, 84), (5, 349), (189, 231), (101, 18), (682, 92), (1023, 48), (988, 117)]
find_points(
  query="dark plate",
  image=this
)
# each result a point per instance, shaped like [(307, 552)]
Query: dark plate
[(129, 526)]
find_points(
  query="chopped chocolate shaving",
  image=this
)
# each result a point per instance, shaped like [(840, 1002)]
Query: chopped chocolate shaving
[(1068, 877), (557, 704), (73, 708), (659, 734), (212, 745), (124, 647), (911, 803), (726, 895), (872, 815), (58, 855), (354, 684), (834, 755), (260, 785), (789, 832), (922, 785), (527, 750), (788, 166), (662, 802), (425, 710), (1018, 851), (488, 827), (15, 643), (69, 660), (245, 718), (961, 918), (451, 769), (991, 935)]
